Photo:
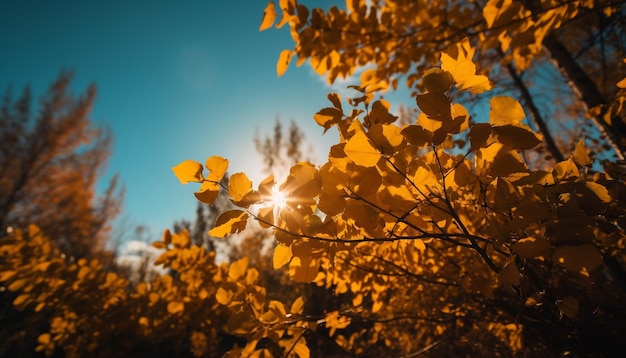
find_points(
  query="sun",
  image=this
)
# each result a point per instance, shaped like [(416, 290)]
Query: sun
[(279, 200)]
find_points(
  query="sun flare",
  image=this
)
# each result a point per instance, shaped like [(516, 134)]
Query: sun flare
[(279, 200)]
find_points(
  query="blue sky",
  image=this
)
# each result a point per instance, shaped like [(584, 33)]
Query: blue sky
[(176, 80)]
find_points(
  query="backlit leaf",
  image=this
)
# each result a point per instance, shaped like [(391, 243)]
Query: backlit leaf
[(457, 60), (208, 192), (303, 269), (188, 171), (361, 151), (283, 61), (600, 191), (269, 16), (298, 306), (238, 268), (282, 255), (238, 186), (229, 222), (580, 154), (327, 117), (217, 167), (505, 111)]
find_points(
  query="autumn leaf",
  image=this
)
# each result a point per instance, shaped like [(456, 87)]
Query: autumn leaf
[(208, 192), (217, 167), (435, 105), (437, 80), (479, 133), (380, 113), (282, 255), (505, 110), (238, 268), (188, 171), (580, 155), (238, 186), (327, 117), (298, 306), (457, 60), (269, 16), (229, 222), (361, 151), (283, 61), (303, 269)]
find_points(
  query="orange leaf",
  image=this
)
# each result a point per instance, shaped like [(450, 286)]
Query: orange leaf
[(269, 16), (283, 61), (188, 171), (360, 150), (229, 222)]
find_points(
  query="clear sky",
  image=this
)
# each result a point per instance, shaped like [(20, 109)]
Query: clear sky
[(176, 80)]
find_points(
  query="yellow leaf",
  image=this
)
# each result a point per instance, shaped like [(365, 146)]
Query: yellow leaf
[(238, 268), (269, 16), (360, 150), (327, 117), (224, 296), (282, 255), (565, 170), (458, 61), (505, 110), (303, 269), (175, 307), (209, 191), (229, 222), (217, 167), (277, 308), (181, 240), (238, 186), (580, 154), (498, 13), (298, 306), (600, 191), (283, 61), (188, 171)]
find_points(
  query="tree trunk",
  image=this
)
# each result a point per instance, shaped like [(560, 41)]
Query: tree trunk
[(588, 92)]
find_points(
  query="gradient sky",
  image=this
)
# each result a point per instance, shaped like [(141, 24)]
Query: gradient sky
[(176, 80)]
